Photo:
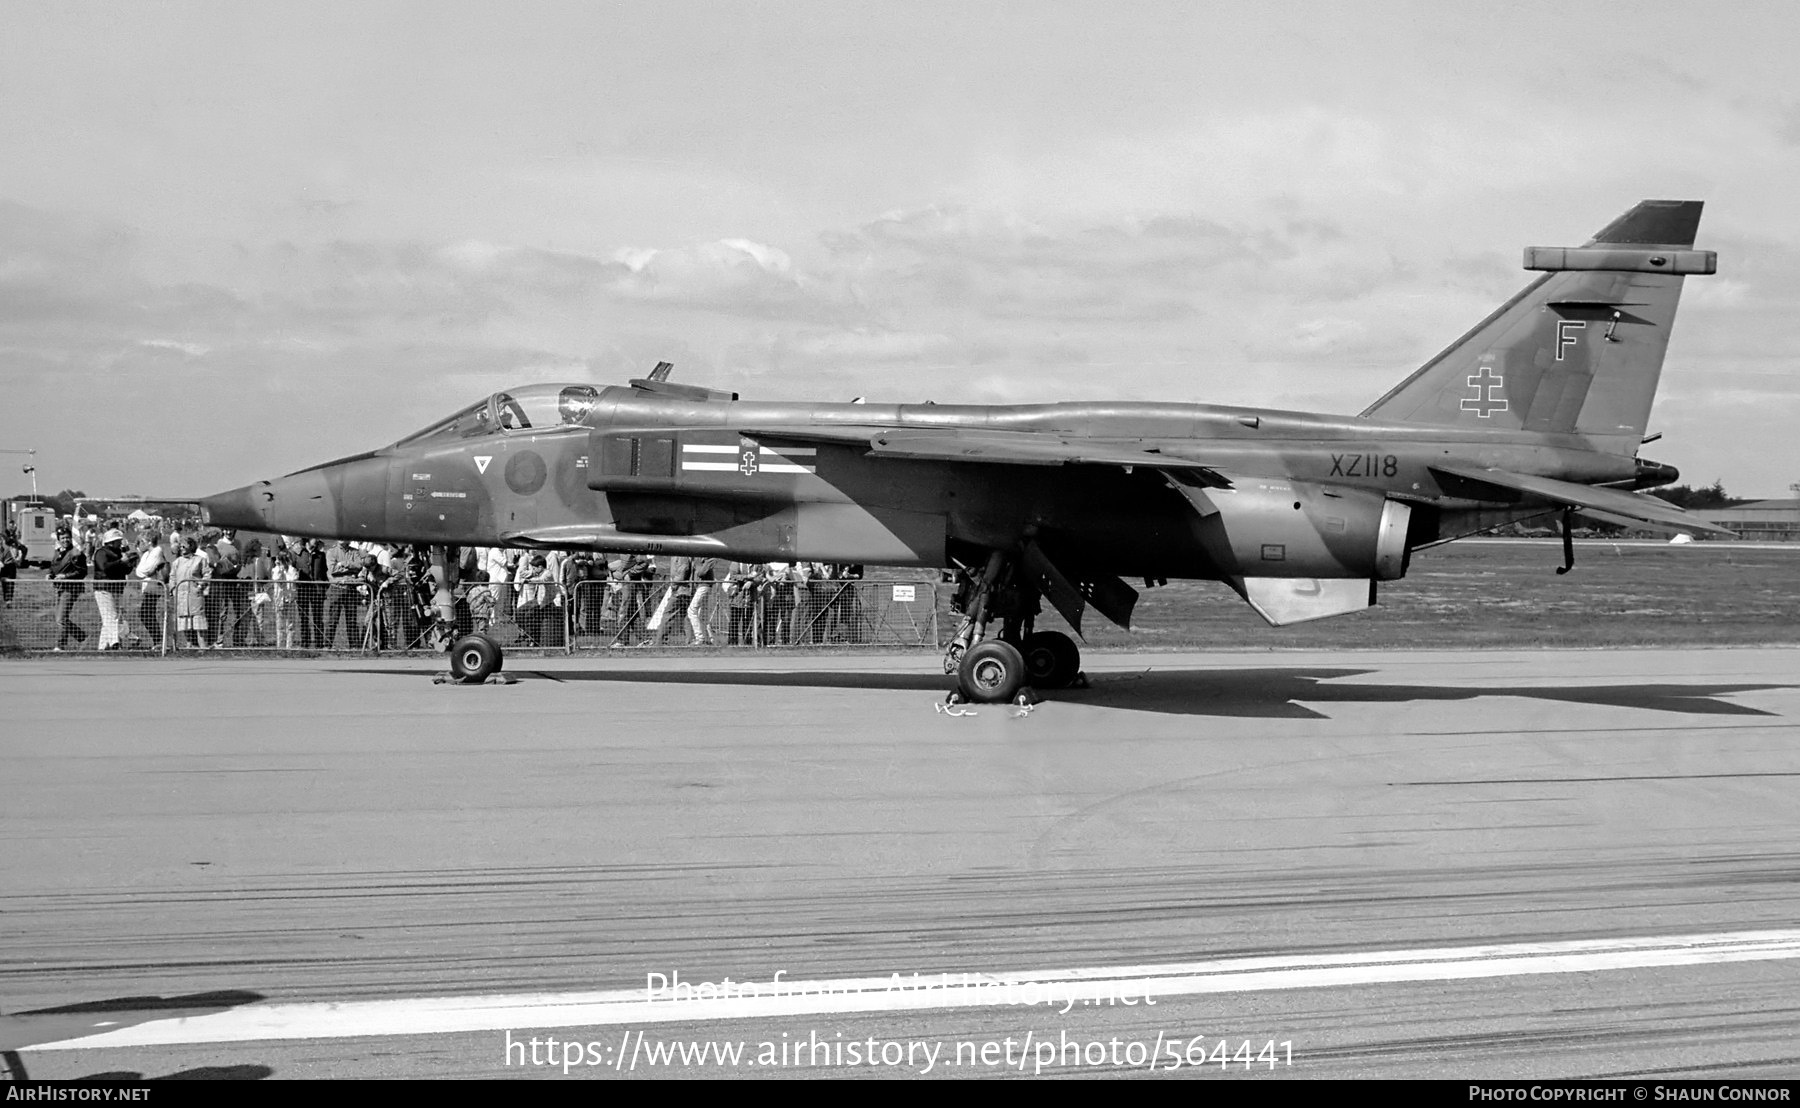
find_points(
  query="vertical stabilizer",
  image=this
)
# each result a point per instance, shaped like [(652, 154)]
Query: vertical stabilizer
[(1579, 350)]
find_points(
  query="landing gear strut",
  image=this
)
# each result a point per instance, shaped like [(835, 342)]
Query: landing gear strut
[(1000, 668)]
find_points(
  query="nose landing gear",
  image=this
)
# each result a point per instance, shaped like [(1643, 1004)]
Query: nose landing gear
[(475, 660)]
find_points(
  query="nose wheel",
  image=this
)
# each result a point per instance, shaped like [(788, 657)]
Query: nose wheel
[(475, 658)]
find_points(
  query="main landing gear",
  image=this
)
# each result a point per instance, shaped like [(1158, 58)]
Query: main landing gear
[(1006, 666)]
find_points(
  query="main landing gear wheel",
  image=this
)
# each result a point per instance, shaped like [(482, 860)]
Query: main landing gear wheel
[(1051, 659), (474, 658), (991, 672)]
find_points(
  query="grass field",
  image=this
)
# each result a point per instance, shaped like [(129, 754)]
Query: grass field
[(1466, 594), (1506, 594)]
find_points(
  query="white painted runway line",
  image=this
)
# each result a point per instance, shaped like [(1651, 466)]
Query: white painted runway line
[(719, 1000)]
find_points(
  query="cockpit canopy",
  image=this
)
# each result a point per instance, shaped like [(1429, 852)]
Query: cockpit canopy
[(532, 408)]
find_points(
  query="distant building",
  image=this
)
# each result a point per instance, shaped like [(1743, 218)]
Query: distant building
[(1764, 520)]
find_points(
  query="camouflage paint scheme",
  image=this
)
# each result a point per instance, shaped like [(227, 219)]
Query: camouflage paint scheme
[(1539, 409)]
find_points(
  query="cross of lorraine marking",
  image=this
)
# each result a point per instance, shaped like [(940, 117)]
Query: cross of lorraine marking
[(747, 465), (1486, 384)]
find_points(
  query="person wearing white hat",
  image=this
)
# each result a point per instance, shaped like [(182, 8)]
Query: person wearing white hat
[(111, 567)]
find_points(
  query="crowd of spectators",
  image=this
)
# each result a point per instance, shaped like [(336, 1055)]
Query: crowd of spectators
[(206, 590), (765, 603)]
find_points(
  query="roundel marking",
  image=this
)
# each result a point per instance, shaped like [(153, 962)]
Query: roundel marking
[(525, 472)]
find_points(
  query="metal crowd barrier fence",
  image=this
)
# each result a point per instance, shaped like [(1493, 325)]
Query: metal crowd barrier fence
[(660, 612), (70, 615), (261, 615), (516, 615), (358, 616)]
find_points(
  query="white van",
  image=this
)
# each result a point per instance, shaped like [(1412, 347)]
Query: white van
[(36, 524)]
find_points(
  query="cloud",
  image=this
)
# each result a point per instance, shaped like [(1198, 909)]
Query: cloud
[(190, 349), (733, 276), (872, 346), (1789, 126), (358, 341), (1326, 335)]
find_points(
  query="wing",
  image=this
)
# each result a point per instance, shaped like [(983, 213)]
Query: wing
[(1038, 448), (1609, 505)]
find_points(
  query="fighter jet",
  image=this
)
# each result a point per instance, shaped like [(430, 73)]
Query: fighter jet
[(1539, 410)]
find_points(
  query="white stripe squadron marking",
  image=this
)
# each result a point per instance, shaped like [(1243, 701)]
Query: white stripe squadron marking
[(751, 460), (926, 992)]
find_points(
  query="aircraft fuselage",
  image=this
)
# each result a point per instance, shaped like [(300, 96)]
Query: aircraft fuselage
[(672, 475)]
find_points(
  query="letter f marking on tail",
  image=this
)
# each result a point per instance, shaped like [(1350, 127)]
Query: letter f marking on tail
[(1566, 336)]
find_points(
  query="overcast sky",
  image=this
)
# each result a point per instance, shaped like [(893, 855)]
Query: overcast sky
[(241, 238)]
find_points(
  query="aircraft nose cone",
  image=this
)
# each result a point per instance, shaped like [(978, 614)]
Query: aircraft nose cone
[(237, 509), (346, 499)]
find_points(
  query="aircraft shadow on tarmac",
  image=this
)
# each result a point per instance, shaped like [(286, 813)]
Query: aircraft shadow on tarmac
[(1274, 692), (22, 1030)]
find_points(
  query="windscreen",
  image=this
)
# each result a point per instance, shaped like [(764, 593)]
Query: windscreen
[(532, 408), (476, 419)]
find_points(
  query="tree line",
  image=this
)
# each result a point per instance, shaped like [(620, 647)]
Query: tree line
[(1695, 498)]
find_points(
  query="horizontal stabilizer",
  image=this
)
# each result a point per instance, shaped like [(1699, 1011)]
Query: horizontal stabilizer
[(1285, 600), (1598, 516), (1630, 508), (1684, 532)]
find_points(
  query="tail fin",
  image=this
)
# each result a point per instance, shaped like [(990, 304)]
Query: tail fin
[(1580, 350)]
